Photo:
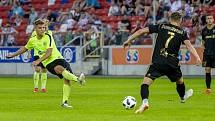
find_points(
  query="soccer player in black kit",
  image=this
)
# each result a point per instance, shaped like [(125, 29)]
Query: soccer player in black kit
[(208, 37), (164, 60)]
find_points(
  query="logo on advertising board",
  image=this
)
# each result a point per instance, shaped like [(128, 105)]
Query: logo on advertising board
[(25, 58), (132, 56), (184, 56), (68, 54)]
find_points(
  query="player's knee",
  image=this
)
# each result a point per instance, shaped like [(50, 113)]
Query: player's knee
[(180, 81), (37, 69), (147, 81), (59, 69), (44, 70), (67, 82), (208, 70)]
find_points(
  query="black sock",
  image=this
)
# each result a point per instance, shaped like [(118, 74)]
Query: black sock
[(208, 80), (144, 91), (181, 90)]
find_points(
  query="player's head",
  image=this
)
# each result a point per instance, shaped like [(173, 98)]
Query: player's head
[(40, 26), (176, 17), (47, 24), (209, 19)]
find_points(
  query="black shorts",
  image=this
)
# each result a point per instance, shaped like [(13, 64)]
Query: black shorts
[(158, 70), (57, 62), (208, 61), (40, 64)]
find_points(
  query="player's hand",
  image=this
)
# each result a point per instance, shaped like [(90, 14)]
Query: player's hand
[(9, 56), (126, 44), (35, 63)]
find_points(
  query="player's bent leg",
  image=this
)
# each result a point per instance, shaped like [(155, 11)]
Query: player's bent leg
[(144, 94), (44, 79), (66, 74), (66, 93), (180, 87)]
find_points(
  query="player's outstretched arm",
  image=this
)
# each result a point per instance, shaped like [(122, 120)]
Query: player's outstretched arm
[(48, 53), (18, 52), (135, 35), (193, 51)]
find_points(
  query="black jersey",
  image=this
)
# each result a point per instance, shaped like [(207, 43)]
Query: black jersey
[(168, 42), (208, 36)]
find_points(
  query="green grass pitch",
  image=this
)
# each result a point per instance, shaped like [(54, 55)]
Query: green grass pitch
[(100, 100)]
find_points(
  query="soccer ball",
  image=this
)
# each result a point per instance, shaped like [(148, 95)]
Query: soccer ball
[(129, 102)]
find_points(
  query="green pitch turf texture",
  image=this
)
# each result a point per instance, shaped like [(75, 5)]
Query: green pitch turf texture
[(100, 100)]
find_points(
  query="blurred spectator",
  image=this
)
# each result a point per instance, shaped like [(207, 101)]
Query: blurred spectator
[(1, 21), (52, 15), (196, 25), (83, 21), (176, 6), (97, 23), (17, 9), (137, 27), (51, 2), (139, 10), (94, 38), (76, 33), (166, 4), (93, 3), (71, 23), (75, 14), (207, 2), (62, 16), (24, 2), (113, 39), (1, 37), (68, 37), (107, 31), (6, 2), (186, 10), (32, 16), (42, 14), (126, 9), (124, 24), (114, 9), (58, 36), (80, 4), (9, 35), (164, 19), (18, 20)]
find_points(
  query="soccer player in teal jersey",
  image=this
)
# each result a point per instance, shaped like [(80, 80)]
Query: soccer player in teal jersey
[(51, 58)]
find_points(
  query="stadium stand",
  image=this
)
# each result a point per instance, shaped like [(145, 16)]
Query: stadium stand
[(69, 10)]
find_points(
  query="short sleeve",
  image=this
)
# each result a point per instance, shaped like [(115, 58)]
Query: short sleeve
[(50, 41), (153, 28), (29, 44)]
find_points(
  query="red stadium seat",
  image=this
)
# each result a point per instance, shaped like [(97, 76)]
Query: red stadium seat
[(3, 14)]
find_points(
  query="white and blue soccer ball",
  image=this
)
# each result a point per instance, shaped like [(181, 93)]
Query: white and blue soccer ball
[(129, 102)]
